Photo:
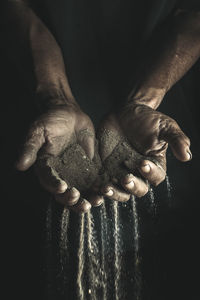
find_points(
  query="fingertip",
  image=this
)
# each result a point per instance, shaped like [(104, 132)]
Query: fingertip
[(24, 163), (134, 185), (107, 191), (88, 144), (130, 185), (75, 193), (83, 206), (180, 147), (87, 204), (188, 156), (183, 155), (72, 196), (129, 177), (155, 174), (19, 166), (62, 187), (96, 200), (115, 193), (145, 166)]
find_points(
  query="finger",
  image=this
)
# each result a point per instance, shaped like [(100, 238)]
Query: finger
[(69, 197), (134, 185), (82, 206), (96, 200), (87, 142), (28, 155), (179, 142), (50, 179), (112, 192), (153, 173)]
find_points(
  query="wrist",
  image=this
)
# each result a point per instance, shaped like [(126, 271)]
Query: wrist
[(52, 98), (148, 96)]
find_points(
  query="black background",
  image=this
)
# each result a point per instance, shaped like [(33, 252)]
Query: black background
[(173, 273)]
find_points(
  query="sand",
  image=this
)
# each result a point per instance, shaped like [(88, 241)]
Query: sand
[(79, 171)]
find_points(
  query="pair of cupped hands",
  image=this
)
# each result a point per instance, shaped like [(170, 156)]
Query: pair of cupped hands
[(147, 131)]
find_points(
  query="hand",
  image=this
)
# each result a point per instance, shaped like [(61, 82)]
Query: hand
[(149, 132), (49, 136)]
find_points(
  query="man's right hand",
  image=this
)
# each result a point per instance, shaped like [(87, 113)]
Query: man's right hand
[(50, 135)]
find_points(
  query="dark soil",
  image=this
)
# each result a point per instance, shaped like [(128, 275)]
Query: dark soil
[(79, 171)]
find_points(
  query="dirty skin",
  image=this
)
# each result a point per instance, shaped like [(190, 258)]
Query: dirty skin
[(74, 166)]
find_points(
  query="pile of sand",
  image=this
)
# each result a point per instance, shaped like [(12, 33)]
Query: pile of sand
[(79, 171)]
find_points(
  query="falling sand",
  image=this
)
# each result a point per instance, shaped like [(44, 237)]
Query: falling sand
[(93, 263), (104, 238), (117, 250), (81, 258), (137, 271), (99, 266)]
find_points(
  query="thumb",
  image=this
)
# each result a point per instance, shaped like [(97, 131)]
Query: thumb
[(87, 142), (178, 141), (28, 155)]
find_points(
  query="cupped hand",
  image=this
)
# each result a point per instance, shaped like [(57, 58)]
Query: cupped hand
[(136, 141), (48, 138)]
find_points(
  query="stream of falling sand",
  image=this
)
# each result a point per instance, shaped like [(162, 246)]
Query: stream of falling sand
[(169, 188), (152, 201), (104, 235), (117, 251), (64, 255), (137, 273), (97, 270), (80, 255), (94, 265)]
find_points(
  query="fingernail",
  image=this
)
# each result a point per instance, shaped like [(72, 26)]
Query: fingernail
[(129, 175), (128, 178), (74, 191), (189, 155), (62, 187), (145, 168), (130, 185), (109, 193), (86, 205), (97, 201)]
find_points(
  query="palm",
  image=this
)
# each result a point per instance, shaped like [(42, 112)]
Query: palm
[(147, 133), (132, 153), (51, 135), (118, 158)]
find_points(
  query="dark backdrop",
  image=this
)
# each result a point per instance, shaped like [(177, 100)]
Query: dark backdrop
[(171, 260)]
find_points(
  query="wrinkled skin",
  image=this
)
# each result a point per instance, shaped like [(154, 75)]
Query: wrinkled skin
[(149, 132), (49, 136)]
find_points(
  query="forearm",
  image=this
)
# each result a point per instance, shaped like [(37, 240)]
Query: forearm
[(36, 52), (181, 51)]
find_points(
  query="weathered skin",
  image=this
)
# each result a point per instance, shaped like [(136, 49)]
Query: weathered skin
[(149, 132), (34, 48), (48, 137), (74, 167)]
